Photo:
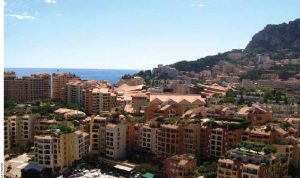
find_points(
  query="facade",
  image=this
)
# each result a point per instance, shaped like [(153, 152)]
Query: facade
[(170, 140), (217, 138), (294, 123), (256, 114), (139, 101), (59, 150), (98, 135), (179, 166), (103, 100), (92, 96), (258, 134), (147, 137), (116, 139), (171, 105), (7, 139), (18, 130), (27, 89), (73, 90), (191, 141), (59, 86)]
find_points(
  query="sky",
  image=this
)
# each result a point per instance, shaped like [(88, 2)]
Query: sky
[(132, 34)]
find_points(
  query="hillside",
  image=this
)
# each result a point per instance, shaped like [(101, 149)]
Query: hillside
[(285, 36), (278, 41)]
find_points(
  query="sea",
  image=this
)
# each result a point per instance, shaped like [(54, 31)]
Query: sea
[(111, 75)]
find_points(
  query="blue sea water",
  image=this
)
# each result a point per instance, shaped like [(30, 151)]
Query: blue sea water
[(112, 75)]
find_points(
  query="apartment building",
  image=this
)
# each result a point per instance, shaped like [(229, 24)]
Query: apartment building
[(73, 91), (219, 136), (243, 163), (165, 70), (59, 86), (259, 134), (81, 144), (98, 135), (179, 166), (147, 137), (103, 100), (58, 150), (170, 140), (191, 134), (294, 123), (42, 124), (116, 139), (219, 111), (155, 110), (67, 113), (139, 101), (171, 105), (91, 95), (209, 90), (291, 83), (7, 144), (283, 110), (256, 114), (35, 87), (18, 130)]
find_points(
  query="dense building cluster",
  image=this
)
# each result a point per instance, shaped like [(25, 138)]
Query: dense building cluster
[(180, 127)]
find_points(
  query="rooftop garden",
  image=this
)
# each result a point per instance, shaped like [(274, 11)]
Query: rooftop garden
[(231, 123), (11, 107), (77, 117), (257, 147), (58, 129), (168, 120)]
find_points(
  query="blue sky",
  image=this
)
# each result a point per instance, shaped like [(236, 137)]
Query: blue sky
[(132, 34)]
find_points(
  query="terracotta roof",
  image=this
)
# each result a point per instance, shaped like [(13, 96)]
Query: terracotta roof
[(100, 90), (281, 131), (259, 107), (177, 98), (126, 88), (243, 111), (165, 107), (139, 95), (62, 110)]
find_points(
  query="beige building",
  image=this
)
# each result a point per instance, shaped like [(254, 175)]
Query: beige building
[(98, 135), (6, 135), (59, 86), (103, 100), (18, 130), (116, 138), (58, 150), (147, 137), (85, 94), (139, 100), (73, 91)]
